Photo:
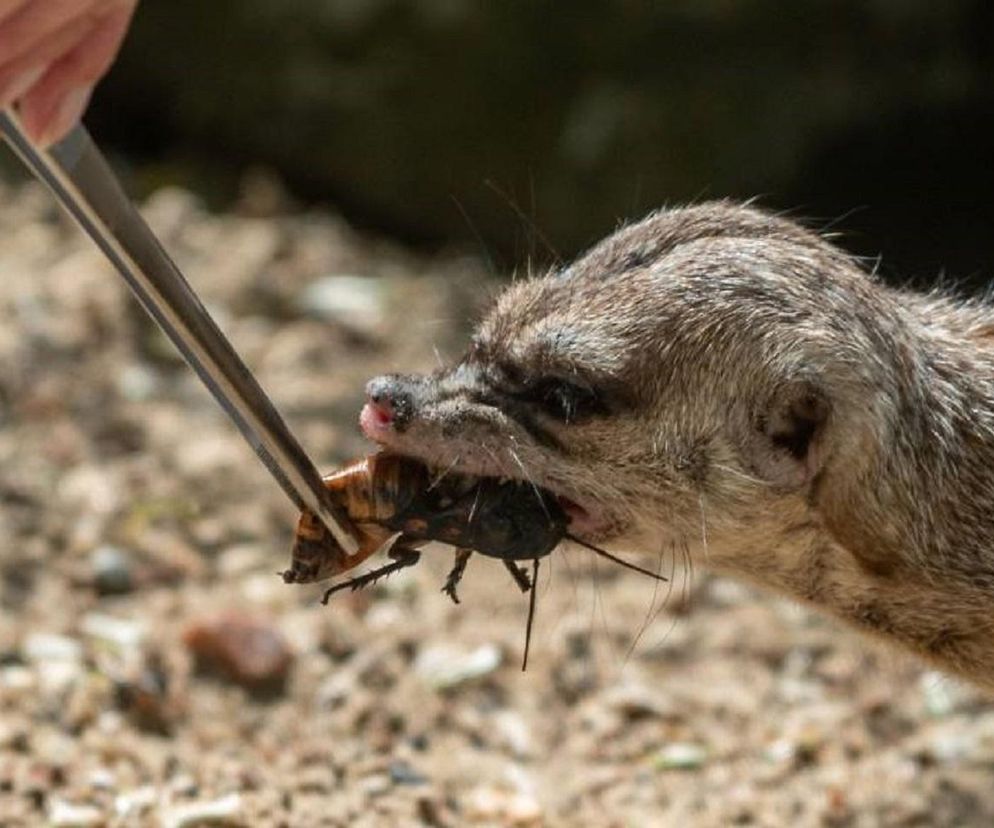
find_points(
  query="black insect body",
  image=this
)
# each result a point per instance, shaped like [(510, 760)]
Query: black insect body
[(394, 503)]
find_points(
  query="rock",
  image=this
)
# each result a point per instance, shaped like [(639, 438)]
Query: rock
[(123, 635), (62, 814), (111, 571), (102, 779), (143, 693), (138, 382), (354, 301), (374, 785), (513, 732), (939, 692), (245, 650), (134, 803), (46, 647), (681, 756), (226, 810), (490, 804), (17, 678), (401, 773), (635, 701), (443, 667), (58, 661)]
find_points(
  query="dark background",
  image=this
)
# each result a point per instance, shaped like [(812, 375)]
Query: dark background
[(523, 127)]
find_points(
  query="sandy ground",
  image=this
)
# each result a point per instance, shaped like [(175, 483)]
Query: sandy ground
[(132, 515)]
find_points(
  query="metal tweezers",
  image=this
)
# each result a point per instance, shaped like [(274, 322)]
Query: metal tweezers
[(80, 178)]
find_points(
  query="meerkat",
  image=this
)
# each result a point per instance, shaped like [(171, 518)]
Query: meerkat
[(721, 379)]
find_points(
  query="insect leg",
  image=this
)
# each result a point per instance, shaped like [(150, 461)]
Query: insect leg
[(455, 576), (402, 558), (519, 575)]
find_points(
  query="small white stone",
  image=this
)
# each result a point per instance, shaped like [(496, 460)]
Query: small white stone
[(357, 301), (223, 810), (522, 809), (514, 732), (64, 814), (443, 667), (137, 382), (56, 676), (17, 677), (681, 756), (133, 803), (102, 779), (40, 647), (120, 633), (941, 695)]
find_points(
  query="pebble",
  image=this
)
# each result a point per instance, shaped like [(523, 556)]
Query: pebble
[(376, 784), (940, 694), (119, 633), (111, 569), (136, 802), (248, 651), (46, 647), (54, 677), (401, 773), (137, 382), (356, 301), (18, 678), (509, 808), (226, 810), (62, 814), (241, 559), (443, 667), (681, 756), (513, 732), (635, 701), (102, 779)]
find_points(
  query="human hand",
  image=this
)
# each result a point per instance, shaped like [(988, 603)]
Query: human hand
[(52, 54)]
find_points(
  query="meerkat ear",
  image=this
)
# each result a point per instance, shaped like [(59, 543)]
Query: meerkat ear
[(786, 436)]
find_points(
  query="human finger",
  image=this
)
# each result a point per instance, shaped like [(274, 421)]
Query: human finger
[(53, 105)]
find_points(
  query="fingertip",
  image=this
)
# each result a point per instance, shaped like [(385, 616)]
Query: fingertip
[(49, 121)]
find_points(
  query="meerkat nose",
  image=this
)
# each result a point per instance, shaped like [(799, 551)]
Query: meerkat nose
[(388, 405)]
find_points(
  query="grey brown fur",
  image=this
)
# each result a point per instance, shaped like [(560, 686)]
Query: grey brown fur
[(749, 392)]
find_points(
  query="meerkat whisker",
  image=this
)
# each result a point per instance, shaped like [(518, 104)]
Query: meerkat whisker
[(652, 612)]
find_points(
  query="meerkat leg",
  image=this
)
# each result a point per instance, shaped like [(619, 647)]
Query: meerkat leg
[(455, 576), (402, 558), (519, 575)]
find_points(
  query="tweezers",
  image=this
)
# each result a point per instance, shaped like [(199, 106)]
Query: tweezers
[(81, 180)]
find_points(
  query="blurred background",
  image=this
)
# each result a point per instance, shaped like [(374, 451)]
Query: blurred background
[(530, 128), (346, 183)]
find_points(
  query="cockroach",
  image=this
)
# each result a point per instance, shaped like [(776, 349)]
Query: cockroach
[(394, 504)]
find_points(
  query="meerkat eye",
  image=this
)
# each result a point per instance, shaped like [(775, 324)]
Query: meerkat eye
[(563, 399)]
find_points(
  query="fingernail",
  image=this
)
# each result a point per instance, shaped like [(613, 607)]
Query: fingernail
[(66, 114), (20, 84)]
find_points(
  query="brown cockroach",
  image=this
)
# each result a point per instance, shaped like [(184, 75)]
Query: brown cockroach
[(394, 504)]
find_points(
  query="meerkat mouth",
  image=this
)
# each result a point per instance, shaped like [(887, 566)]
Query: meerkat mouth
[(585, 519)]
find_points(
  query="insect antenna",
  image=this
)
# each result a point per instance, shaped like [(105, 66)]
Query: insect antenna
[(531, 614), (615, 559)]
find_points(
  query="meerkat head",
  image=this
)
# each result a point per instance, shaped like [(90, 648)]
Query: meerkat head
[(675, 383)]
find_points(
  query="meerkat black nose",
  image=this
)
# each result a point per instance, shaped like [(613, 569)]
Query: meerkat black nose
[(389, 404)]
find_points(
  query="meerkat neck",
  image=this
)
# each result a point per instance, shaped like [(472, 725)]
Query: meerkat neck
[(918, 521)]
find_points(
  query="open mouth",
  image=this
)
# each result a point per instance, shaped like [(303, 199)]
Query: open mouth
[(378, 426), (581, 521)]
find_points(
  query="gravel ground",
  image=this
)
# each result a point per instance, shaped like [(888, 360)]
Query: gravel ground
[(155, 671)]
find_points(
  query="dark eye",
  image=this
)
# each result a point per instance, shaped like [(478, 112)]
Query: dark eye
[(563, 399)]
